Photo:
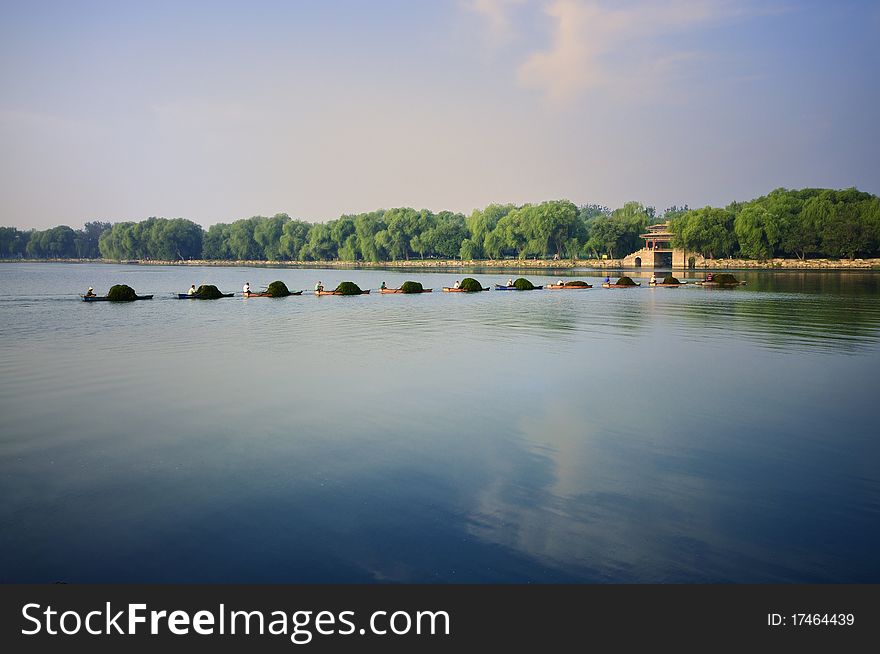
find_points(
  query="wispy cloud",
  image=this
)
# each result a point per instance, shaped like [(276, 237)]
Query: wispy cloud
[(497, 14), (588, 35)]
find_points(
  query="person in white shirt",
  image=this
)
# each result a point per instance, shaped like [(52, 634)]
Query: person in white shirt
[(510, 281), (457, 284), (561, 282), (192, 290), (653, 279), (247, 288), (319, 287)]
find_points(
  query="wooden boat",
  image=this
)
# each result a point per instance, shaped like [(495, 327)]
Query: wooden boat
[(447, 289), (566, 287), (187, 296), (335, 293), (720, 285), (660, 284), (266, 294), (104, 298), (385, 291), (636, 285), (499, 287)]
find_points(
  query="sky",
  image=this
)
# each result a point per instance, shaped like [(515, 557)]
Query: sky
[(221, 110)]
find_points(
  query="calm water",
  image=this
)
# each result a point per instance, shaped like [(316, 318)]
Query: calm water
[(646, 435)]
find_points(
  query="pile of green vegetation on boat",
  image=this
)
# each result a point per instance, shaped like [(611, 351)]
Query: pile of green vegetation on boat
[(121, 293), (625, 281), (208, 292), (278, 289), (348, 288), (725, 279), (523, 284), (669, 279), (470, 285), (577, 282), (411, 287)]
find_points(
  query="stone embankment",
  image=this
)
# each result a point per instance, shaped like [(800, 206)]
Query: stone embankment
[(513, 264)]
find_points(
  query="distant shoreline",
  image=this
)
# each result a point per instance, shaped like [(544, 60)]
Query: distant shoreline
[(500, 264)]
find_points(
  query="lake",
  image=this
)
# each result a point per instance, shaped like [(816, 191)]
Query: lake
[(644, 435)]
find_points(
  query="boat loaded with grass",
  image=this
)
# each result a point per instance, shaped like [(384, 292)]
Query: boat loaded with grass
[(117, 293), (521, 284), (407, 287), (623, 282), (669, 282), (724, 280), (467, 285), (569, 286), (275, 289), (345, 288), (204, 292)]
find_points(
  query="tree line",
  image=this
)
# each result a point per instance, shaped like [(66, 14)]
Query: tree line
[(60, 242), (785, 223), (802, 223)]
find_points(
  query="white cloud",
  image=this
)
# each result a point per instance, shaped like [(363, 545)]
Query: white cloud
[(588, 34), (497, 16)]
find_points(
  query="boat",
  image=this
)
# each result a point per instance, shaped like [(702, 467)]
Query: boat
[(386, 291), (718, 284), (500, 287), (187, 296), (636, 285), (335, 293), (104, 298), (662, 285), (266, 294), (447, 289), (566, 287)]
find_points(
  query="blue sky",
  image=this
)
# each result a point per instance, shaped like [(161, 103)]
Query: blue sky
[(216, 111)]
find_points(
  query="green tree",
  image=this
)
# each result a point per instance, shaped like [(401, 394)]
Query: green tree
[(13, 243), (757, 230), (470, 250), (267, 235), (216, 242), (603, 236), (403, 223), (294, 236), (708, 231), (343, 234), (241, 243), (366, 226), (447, 235), (320, 246), (87, 239), (633, 219), (483, 221), (551, 226), (844, 233)]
